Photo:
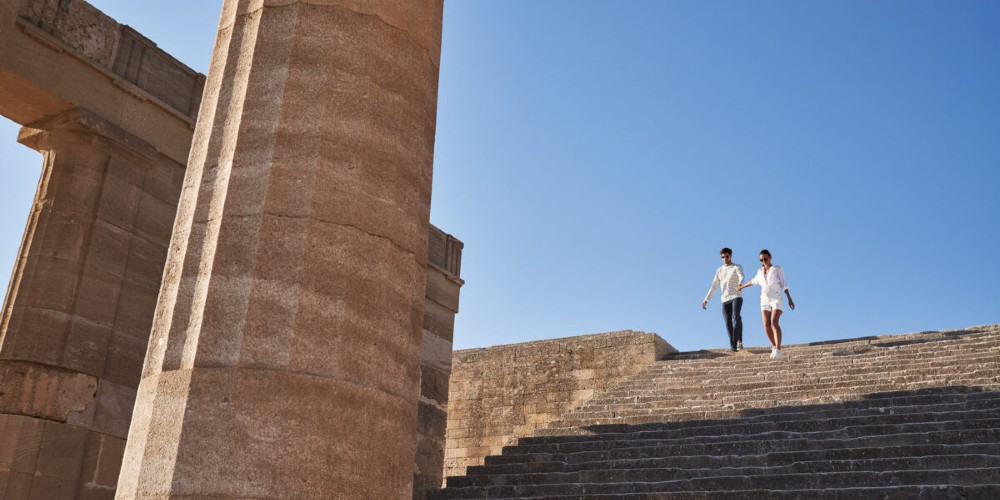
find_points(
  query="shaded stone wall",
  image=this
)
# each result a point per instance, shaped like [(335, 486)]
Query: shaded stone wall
[(79, 306), (444, 262), (498, 394)]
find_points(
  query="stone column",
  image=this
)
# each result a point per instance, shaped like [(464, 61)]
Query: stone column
[(444, 283), (79, 307), (284, 360)]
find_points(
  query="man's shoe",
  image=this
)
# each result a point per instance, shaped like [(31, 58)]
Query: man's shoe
[(739, 346), (733, 349), (777, 354), (773, 350)]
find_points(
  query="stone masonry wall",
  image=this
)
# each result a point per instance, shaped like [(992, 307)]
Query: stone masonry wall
[(498, 394)]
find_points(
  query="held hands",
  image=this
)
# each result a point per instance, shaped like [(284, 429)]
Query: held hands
[(704, 304)]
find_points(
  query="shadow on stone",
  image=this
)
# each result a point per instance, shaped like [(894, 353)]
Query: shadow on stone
[(976, 397)]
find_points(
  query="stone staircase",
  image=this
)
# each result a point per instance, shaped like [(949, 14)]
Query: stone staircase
[(905, 416)]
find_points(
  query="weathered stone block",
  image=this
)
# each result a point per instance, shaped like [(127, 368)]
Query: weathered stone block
[(63, 237), (97, 295), (435, 352), (163, 181), (439, 320), (86, 347), (52, 289), (145, 262), (441, 289), (500, 393), (154, 219), (114, 409), (137, 303), (60, 455), (119, 202), (124, 359), (40, 334), (53, 488), (15, 484), (109, 245), (19, 451)]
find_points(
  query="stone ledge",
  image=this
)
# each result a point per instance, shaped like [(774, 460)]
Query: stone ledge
[(127, 57)]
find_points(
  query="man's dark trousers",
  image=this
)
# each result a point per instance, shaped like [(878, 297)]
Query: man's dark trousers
[(734, 322)]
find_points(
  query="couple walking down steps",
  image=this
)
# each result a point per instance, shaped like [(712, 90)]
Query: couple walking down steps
[(771, 280)]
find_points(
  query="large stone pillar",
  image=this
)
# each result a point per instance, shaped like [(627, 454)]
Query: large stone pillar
[(284, 358), (79, 307)]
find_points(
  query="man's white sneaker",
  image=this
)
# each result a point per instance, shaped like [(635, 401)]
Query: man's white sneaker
[(739, 345), (776, 354), (773, 350)]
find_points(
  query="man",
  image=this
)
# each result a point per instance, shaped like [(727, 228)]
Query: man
[(728, 278)]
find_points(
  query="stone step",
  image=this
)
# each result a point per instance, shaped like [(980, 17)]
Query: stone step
[(872, 407), (848, 347), (692, 407), (785, 368), (657, 474), (962, 345), (990, 375), (665, 371), (647, 380), (762, 460), (683, 409), (859, 386), (807, 481), (937, 492), (759, 356), (821, 432), (758, 426), (757, 446)]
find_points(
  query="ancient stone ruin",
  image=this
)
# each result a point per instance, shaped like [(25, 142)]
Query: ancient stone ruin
[(295, 304), (621, 415), (228, 287)]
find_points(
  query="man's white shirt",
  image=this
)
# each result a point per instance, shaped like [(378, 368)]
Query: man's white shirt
[(727, 278)]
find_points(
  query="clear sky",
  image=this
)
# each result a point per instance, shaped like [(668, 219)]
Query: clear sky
[(594, 157)]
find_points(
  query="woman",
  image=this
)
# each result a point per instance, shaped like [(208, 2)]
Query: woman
[(771, 280)]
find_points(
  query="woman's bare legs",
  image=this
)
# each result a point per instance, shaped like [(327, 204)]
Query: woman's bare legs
[(776, 340), (766, 317)]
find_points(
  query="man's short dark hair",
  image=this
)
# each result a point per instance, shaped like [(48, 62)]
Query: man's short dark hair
[(725, 250)]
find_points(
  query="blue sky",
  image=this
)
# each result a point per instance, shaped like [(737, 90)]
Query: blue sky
[(594, 157)]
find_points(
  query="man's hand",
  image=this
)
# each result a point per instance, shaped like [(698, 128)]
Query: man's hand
[(704, 304), (791, 304)]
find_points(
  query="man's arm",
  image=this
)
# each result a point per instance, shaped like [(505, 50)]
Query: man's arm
[(750, 283), (715, 286)]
